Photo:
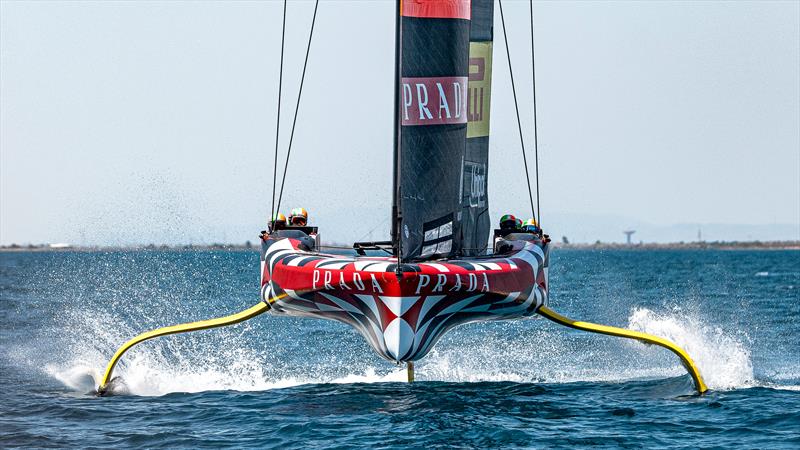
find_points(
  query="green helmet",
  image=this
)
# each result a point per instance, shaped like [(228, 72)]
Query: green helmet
[(508, 221)]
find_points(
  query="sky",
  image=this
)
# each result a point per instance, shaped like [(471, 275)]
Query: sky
[(154, 122)]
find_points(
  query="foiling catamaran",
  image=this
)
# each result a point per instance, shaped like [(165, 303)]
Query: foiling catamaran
[(439, 271)]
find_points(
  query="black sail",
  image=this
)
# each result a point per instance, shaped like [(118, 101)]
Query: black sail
[(434, 69), (476, 223)]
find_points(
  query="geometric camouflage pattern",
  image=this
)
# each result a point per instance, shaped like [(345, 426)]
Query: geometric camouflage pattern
[(402, 319)]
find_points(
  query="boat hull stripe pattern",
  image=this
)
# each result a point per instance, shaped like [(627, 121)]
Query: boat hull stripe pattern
[(403, 318)]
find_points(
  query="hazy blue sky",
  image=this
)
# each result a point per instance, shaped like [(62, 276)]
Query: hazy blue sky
[(138, 122)]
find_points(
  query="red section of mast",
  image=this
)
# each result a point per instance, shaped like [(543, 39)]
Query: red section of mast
[(436, 9)]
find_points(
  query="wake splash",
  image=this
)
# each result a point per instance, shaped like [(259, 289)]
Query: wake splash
[(234, 359), (723, 361), (562, 356), (143, 378), (526, 352)]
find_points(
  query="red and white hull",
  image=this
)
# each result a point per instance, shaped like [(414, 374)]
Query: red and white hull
[(402, 318)]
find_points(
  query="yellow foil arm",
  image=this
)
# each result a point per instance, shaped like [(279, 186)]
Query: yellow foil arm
[(182, 328), (621, 332)]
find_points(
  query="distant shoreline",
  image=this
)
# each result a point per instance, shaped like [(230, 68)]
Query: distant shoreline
[(715, 245)]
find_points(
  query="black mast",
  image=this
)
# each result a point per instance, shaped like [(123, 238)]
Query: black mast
[(396, 212)]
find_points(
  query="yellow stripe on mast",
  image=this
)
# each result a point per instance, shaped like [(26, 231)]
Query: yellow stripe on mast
[(621, 332)]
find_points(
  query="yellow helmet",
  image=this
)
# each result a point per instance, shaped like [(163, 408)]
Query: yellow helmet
[(279, 218), (298, 216)]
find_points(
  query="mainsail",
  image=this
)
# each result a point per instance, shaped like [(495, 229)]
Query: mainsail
[(436, 202), (476, 223)]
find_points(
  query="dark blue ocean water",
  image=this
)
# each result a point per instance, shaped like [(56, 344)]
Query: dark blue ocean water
[(303, 383)]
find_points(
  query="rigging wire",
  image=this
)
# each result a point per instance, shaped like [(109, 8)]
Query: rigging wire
[(278, 119), (297, 105), (516, 107), (374, 228), (535, 127), (536, 212)]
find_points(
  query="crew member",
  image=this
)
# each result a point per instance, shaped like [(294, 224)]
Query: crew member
[(298, 217), (508, 222), (278, 222), (531, 226)]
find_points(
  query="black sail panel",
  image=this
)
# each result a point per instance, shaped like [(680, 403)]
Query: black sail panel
[(476, 223), (434, 71)]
